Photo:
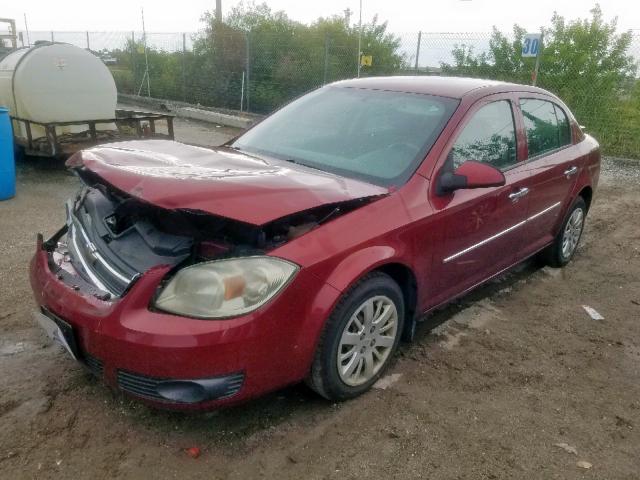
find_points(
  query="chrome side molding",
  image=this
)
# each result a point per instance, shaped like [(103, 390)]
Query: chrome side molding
[(501, 233)]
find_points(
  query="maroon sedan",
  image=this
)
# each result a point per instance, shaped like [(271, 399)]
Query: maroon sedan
[(308, 246)]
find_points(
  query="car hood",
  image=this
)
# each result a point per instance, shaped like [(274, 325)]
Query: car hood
[(221, 181)]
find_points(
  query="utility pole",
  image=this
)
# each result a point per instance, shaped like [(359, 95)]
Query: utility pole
[(26, 28), (418, 50), (219, 11), (347, 17), (359, 39), (537, 66)]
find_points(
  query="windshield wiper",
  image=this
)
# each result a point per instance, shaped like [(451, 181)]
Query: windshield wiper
[(298, 162), (267, 157)]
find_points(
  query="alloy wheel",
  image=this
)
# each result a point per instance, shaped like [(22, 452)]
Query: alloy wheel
[(367, 340), (572, 232)]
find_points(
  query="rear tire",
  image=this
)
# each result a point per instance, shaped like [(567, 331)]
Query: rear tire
[(564, 246), (359, 338)]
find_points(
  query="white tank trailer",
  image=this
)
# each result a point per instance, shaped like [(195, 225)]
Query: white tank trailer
[(56, 83), (56, 90)]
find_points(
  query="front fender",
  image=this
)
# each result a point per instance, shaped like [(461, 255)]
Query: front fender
[(363, 261), (340, 278)]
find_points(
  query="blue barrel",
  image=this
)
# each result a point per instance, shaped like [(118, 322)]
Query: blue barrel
[(7, 161)]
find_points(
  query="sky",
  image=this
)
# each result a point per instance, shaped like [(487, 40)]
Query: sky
[(403, 15)]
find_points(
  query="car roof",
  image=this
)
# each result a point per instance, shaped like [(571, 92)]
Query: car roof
[(453, 87)]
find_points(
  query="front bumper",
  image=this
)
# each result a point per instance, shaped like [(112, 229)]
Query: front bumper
[(185, 363)]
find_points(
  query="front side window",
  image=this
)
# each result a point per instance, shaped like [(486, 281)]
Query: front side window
[(489, 137), (546, 125), (372, 135)]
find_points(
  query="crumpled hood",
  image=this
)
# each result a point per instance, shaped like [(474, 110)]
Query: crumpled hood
[(223, 182)]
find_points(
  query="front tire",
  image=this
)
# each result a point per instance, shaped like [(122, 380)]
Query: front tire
[(560, 252), (359, 339)]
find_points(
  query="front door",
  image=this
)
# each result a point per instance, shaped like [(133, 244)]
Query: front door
[(482, 228)]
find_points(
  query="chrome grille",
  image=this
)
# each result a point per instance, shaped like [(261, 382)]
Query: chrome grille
[(90, 263)]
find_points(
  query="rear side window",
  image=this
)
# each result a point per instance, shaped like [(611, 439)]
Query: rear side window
[(546, 125), (489, 137)]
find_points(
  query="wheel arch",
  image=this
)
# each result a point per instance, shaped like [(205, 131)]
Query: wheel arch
[(587, 194), (582, 188), (385, 259), (406, 280)]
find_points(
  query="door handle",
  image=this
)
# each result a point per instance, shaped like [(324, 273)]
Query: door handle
[(517, 195), (571, 171)]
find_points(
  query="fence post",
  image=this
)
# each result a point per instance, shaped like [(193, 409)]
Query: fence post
[(242, 92), (146, 57), (418, 49), (52, 39), (248, 69), (133, 62), (184, 60), (88, 44), (326, 58)]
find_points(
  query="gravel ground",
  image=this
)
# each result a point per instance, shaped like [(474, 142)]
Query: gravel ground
[(513, 381)]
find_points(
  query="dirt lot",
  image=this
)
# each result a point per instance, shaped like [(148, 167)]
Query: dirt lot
[(491, 384)]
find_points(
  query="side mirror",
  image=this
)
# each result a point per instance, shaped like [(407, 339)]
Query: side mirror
[(471, 174)]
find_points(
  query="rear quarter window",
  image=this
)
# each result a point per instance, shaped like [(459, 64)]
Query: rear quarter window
[(564, 126)]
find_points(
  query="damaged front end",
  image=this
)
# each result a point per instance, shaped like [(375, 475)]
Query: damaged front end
[(111, 238)]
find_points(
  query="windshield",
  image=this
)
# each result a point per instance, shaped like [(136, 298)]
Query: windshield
[(372, 135)]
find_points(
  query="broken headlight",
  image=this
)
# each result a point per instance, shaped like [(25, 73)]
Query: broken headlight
[(225, 288)]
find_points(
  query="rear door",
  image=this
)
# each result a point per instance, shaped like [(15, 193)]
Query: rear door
[(482, 228), (552, 165)]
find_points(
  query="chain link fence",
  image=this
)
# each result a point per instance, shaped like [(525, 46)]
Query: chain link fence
[(260, 72)]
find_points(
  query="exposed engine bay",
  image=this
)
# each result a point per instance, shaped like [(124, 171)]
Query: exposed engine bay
[(111, 237)]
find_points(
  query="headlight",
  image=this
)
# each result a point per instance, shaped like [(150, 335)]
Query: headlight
[(225, 288)]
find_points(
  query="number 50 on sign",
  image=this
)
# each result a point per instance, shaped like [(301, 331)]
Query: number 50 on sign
[(531, 44)]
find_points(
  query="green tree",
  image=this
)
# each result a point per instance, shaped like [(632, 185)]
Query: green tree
[(286, 58), (279, 57), (165, 70), (585, 62)]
